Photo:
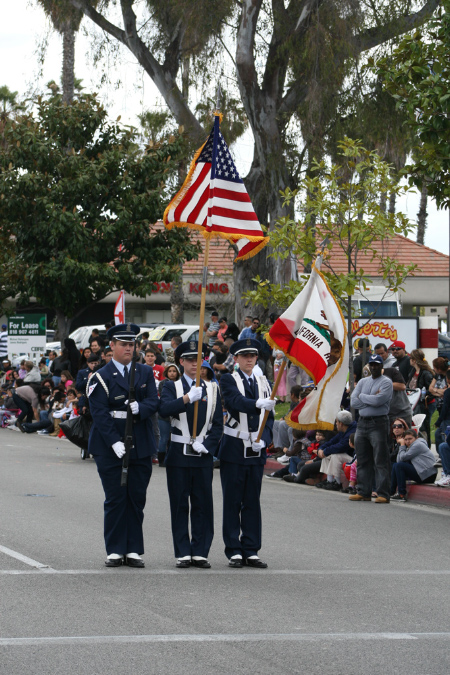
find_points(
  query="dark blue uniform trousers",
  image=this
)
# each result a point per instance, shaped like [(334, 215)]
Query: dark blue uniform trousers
[(124, 506), (241, 489), (194, 484)]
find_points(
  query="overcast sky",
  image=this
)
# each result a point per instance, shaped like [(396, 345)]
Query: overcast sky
[(24, 26)]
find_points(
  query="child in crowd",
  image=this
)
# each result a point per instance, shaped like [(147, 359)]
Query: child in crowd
[(350, 469)]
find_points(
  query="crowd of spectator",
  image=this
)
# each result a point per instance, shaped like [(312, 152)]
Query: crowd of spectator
[(368, 454)]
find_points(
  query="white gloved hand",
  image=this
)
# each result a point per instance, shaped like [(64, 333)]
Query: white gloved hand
[(199, 447), (195, 394), (119, 449), (134, 407), (266, 403), (258, 445)]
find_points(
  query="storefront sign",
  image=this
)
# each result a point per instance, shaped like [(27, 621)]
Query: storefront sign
[(386, 330)]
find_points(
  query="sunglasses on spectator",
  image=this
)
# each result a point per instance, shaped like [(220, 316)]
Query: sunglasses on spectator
[(398, 426), (396, 349)]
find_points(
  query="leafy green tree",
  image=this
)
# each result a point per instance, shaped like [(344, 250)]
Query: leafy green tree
[(290, 60), (344, 203), (78, 204), (417, 75)]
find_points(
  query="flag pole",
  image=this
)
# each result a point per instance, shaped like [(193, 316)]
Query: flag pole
[(272, 396), (200, 333), (202, 307)]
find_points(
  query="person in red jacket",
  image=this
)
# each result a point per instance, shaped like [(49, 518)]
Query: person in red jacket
[(150, 360)]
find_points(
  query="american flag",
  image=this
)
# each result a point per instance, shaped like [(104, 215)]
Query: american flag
[(214, 200)]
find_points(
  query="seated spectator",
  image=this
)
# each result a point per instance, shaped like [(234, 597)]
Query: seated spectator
[(282, 432), (23, 372), (350, 469), (310, 473), (43, 368), (64, 413), (415, 461), (398, 428), (66, 379), (299, 454), (337, 451)]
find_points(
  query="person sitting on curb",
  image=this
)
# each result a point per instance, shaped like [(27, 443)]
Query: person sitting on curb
[(415, 461), (337, 451)]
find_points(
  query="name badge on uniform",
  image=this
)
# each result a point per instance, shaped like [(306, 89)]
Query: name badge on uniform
[(117, 397), (249, 453), (189, 451)]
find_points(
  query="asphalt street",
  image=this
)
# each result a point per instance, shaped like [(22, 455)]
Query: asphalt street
[(351, 587)]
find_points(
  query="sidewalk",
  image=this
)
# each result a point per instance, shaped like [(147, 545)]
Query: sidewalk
[(429, 495)]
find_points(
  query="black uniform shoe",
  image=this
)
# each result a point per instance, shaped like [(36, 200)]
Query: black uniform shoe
[(134, 562), (321, 484), (114, 562), (235, 562), (183, 563), (203, 564), (256, 562)]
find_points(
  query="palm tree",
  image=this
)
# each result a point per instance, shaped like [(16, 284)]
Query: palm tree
[(66, 20)]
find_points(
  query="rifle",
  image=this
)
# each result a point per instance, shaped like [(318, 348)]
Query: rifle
[(128, 439)]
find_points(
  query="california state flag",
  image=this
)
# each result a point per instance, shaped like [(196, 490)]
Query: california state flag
[(313, 335)]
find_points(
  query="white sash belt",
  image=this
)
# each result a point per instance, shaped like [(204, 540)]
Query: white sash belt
[(243, 435), (120, 414), (176, 438)]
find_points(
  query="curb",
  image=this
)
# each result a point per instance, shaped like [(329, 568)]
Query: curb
[(427, 495)]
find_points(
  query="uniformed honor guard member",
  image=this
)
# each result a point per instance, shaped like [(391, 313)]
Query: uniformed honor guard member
[(108, 391), (242, 458), (189, 463)]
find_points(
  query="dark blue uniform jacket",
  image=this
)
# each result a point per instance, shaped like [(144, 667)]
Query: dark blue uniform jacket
[(107, 430), (172, 406), (231, 448)]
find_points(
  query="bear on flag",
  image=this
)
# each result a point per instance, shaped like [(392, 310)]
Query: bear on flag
[(313, 335)]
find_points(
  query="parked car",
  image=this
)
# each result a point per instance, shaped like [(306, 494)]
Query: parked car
[(162, 334), (80, 336), (444, 346)]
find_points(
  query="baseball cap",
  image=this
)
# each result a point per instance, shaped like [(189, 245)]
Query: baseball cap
[(397, 343), (375, 358)]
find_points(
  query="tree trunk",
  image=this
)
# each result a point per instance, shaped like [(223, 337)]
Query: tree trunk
[(68, 69), (422, 215), (177, 299), (383, 202), (64, 323), (392, 200)]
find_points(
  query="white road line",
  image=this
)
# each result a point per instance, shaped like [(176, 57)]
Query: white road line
[(23, 558), (214, 572), (258, 637)]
